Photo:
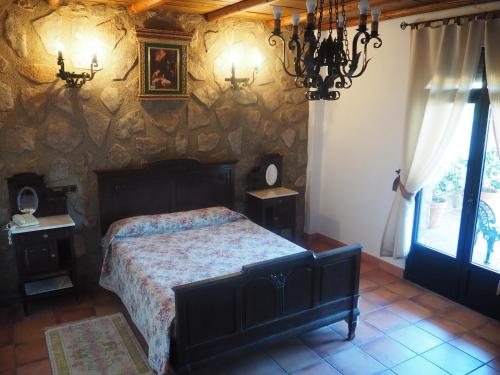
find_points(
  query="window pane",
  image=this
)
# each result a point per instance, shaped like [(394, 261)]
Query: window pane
[(486, 251), (441, 205)]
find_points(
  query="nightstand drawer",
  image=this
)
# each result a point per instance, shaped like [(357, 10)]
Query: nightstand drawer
[(42, 236), (273, 202)]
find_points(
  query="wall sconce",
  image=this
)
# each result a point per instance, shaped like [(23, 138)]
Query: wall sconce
[(76, 79), (235, 55)]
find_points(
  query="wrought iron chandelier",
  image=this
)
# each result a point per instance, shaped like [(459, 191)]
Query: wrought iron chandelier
[(326, 65)]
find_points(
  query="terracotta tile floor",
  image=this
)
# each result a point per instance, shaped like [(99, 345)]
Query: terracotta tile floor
[(403, 329)]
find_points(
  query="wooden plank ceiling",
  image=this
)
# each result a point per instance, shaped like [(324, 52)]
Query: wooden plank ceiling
[(263, 9)]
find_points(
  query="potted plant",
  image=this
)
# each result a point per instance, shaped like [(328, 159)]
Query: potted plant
[(438, 203), (454, 181)]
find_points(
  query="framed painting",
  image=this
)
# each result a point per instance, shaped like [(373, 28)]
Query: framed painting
[(163, 59)]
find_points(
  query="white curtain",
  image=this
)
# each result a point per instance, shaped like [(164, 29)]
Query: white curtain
[(443, 64), (492, 61)]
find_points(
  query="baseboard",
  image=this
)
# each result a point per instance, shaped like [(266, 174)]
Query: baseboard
[(383, 264), (366, 256), (322, 238)]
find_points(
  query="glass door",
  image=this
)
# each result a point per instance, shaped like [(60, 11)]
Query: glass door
[(480, 284), (441, 201), (487, 234), (455, 229)]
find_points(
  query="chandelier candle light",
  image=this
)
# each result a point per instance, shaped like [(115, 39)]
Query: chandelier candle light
[(326, 66)]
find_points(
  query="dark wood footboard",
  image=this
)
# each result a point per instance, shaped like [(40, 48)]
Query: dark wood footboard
[(264, 302)]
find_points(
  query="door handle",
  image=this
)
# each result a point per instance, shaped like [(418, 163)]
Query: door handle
[(469, 202)]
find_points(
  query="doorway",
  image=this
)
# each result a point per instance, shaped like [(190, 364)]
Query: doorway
[(456, 234)]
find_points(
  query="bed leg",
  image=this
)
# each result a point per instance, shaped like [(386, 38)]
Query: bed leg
[(352, 322)]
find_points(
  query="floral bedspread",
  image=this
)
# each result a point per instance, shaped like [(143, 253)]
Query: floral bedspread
[(146, 256)]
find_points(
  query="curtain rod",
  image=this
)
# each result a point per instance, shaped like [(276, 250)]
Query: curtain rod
[(457, 19)]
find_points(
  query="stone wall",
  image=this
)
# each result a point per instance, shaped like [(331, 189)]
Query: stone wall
[(65, 134)]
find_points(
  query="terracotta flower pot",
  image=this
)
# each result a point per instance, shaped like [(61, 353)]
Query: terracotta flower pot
[(457, 199), (436, 212)]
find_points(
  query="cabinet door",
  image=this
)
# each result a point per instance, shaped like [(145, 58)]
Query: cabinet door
[(41, 258), (284, 215)]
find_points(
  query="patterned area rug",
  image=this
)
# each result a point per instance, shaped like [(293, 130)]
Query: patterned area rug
[(97, 346)]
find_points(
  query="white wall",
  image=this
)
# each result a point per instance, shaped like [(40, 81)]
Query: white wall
[(355, 143)]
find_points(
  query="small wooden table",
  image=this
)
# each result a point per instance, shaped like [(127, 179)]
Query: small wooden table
[(273, 209), (45, 258)]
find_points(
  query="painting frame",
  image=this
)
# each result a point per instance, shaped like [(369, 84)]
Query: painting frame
[(163, 62)]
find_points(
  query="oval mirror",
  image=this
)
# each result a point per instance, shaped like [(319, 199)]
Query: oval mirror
[(271, 174), (27, 200)]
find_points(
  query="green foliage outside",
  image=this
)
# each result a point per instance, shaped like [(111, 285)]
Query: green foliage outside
[(453, 177)]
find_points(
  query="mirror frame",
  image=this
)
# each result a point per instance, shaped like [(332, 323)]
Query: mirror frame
[(275, 174), (20, 193)]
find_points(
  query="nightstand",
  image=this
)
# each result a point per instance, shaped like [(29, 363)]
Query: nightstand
[(45, 258), (273, 209)]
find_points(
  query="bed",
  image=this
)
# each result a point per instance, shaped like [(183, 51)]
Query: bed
[(201, 281)]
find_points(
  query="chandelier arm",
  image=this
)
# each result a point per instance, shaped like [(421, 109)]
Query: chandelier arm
[(363, 65), (344, 82), (294, 45), (378, 41), (309, 59), (283, 59), (348, 82), (272, 42), (361, 37), (288, 72), (365, 41), (363, 68)]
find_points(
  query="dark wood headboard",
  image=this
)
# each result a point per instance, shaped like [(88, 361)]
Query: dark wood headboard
[(164, 186)]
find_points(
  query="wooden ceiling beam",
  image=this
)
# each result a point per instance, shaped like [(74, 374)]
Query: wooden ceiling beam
[(143, 5), (421, 9), (287, 20), (234, 8), (390, 14)]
